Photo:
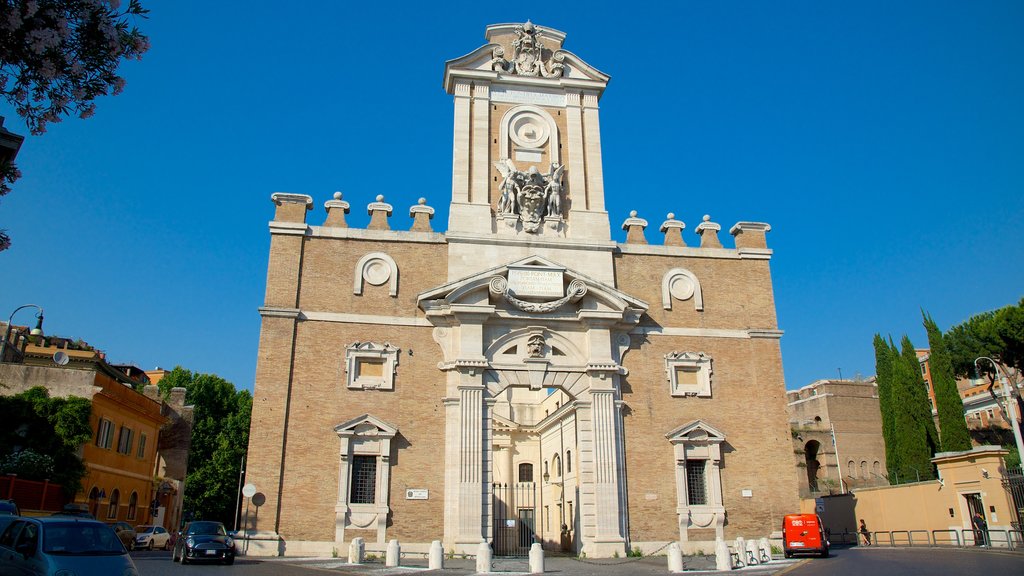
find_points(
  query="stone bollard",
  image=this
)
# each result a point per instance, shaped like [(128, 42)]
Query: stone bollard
[(753, 553), (675, 558), (722, 559), (436, 556), (393, 554), (766, 550), (356, 551), (741, 551), (536, 559), (483, 558)]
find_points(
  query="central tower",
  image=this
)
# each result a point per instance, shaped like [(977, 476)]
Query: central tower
[(526, 166)]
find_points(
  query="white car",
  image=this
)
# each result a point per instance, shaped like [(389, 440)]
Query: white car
[(150, 537)]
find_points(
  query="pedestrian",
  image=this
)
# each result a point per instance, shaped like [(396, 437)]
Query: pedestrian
[(980, 529), (865, 533)]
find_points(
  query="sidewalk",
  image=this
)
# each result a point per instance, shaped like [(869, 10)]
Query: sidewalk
[(561, 565)]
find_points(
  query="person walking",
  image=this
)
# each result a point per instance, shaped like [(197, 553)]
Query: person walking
[(865, 533), (980, 530)]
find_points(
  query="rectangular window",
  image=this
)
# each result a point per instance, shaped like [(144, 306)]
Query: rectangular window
[(142, 447), (105, 434), (364, 480), (696, 493), (125, 440)]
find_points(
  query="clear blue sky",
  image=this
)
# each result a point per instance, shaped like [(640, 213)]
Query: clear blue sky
[(883, 141)]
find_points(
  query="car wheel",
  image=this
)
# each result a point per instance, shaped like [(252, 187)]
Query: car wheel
[(788, 554), (149, 546), (174, 555)]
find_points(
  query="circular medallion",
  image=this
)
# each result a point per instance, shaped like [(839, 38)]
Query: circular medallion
[(376, 272), (528, 130), (682, 288)]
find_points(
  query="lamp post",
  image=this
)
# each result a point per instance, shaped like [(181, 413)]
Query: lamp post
[(37, 331), (1008, 405)]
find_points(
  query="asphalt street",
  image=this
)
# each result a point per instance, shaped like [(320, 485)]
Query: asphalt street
[(842, 562)]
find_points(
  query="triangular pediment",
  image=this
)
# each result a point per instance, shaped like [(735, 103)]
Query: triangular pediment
[(366, 426), (463, 290), (696, 431)]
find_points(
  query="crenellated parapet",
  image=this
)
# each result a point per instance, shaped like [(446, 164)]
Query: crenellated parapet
[(749, 237), (291, 211)]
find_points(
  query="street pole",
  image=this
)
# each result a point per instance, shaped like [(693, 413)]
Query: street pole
[(839, 462), (37, 331), (1009, 405), (238, 502)]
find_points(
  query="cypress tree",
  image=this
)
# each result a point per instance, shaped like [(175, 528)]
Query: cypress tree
[(884, 381), (915, 428), (953, 435)]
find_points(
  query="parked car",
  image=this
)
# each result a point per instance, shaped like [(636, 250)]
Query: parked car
[(125, 533), (63, 545), (150, 537), (9, 508), (803, 534), (76, 510), (203, 541)]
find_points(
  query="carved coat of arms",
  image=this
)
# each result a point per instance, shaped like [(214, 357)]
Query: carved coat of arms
[(530, 195)]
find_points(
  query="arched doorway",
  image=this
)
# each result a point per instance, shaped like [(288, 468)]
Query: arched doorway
[(811, 449)]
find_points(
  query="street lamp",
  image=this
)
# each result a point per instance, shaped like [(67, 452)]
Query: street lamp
[(37, 331), (1009, 408)]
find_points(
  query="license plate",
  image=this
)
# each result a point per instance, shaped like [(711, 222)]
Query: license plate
[(211, 552), (796, 544)]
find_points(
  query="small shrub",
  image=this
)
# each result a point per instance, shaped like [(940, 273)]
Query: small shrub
[(371, 557), (635, 553), (776, 549), (616, 555), (334, 552)]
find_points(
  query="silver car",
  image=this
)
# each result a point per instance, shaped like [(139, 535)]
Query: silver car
[(60, 544)]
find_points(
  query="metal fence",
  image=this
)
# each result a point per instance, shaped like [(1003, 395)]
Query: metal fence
[(514, 519), (1012, 539), (1013, 483)]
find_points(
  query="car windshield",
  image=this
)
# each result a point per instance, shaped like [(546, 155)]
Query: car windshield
[(7, 508), (207, 528), (144, 529), (81, 539)]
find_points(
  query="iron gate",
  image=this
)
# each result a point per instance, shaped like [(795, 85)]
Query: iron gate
[(1013, 482), (514, 513)]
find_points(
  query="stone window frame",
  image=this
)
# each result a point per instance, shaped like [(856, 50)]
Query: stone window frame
[(360, 351), (365, 435), (701, 442), (701, 362)]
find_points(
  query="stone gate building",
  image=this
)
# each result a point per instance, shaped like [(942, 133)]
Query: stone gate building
[(521, 376)]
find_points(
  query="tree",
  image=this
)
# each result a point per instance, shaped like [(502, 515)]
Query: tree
[(220, 438), (953, 436), (41, 437), (57, 56), (918, 438), (884, 381)]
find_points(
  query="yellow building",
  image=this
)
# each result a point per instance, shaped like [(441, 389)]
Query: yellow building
[(122, 457)]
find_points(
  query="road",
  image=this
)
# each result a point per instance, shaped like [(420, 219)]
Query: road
[(878, 561), (842, 562)]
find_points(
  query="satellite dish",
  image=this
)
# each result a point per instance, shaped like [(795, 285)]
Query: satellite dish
[(60, 358)]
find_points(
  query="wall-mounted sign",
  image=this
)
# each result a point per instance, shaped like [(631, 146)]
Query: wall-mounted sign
[(416, 494), (535, 281)]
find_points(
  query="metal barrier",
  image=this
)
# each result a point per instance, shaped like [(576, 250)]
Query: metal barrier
[(1016, 538), (878, 541), (927, 539), (844, 538), (903, 535), (952, 540), (969, 537)]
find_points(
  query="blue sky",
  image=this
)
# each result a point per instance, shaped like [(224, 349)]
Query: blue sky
[(883, 141)]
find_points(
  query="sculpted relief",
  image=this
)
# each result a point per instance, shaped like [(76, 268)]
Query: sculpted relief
[(529, 56), (530, 195)]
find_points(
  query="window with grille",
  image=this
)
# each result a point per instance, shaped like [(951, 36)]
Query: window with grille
[(526, 472), (696, 492), (364, 480)]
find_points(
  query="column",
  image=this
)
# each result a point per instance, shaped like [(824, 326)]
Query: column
[(471, 462), (481, 165)]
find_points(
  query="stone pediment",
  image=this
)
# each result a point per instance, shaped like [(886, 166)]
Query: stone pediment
[(366, 426), (696, 431), (524, 53), (534, 285)]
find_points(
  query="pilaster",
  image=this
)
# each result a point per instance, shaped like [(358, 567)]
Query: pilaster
[(592, 141), (460, 149), (480, 159)]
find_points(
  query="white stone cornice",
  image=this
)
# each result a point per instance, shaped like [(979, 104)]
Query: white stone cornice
[(288, 228), (272, 312), (688, 251), (537, 242), (750, 227), (755, 253), (376, 235), (118, 471), (289, 198), (744, 334), (364, 319)]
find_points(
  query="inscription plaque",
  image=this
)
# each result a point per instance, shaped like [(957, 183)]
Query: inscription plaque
[(533, 281)]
